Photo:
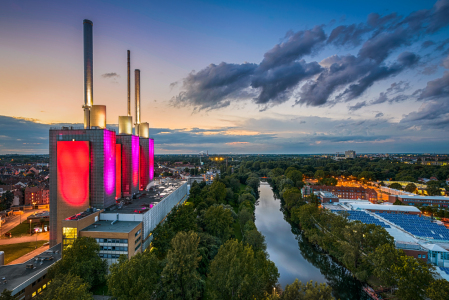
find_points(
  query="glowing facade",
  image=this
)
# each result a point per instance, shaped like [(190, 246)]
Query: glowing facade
[(151, 159), (73, 165)]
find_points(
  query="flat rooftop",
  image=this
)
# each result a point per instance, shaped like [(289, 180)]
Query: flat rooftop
[(107, 226), (17, 274), (146, 199)]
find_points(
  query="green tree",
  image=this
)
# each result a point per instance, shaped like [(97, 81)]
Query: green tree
[(218, 221), (254, 183), (6, 295), (310, 291), (244, 216), (433, 190), (292, 197), (67, 286), (180, 277), (319, 174), (255, 239), (413, 277), (295, 176), (411, 188), (234, 274), (395, 186), (137, 278), (81, 259), (247, 196), (438, 290), (6, 200), (218, 191)]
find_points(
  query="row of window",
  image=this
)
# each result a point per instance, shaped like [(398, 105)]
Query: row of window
[(423, 256), (39, 280), (112, 241), (113, 248), (103, 255), (39, 290), (138, 239)]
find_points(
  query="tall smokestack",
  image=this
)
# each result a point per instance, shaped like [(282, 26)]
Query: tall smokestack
[(137, 94), (129, 84), (88, 71)]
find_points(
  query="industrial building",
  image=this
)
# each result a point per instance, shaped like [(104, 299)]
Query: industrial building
[(92, 168), (342, 192)]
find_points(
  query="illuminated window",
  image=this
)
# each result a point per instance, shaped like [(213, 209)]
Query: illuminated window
[(33, 295), (69, 235), (39, 290), (44, 286)]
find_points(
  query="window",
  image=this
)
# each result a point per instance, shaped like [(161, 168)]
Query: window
[(419, 255), (33, 295), (33, 284), (39, 290), (423, 256), (138, 232)]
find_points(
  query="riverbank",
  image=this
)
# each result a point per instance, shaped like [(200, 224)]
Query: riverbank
[(295, 256)]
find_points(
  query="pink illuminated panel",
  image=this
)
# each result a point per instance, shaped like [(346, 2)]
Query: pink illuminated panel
[(135, 161), (118, 169), (151, 159), (109, 163), (73, 164)]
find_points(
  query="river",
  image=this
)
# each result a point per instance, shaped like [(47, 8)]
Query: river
[(294, 256)]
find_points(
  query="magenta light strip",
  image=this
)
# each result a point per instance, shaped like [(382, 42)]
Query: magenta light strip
[(109, 163), (151, 159), (135, 160)]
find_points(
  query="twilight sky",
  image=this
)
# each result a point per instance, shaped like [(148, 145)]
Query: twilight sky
[(234, 76)]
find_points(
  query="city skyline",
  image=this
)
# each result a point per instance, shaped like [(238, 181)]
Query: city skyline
[(370, 79)]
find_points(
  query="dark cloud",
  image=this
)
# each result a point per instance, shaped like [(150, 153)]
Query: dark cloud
[(297, 45), (214, 86), (348, 34), (276, 86), (427, 44), (390, 95), (110, 75), (431, 114), (379, 115), (438, 88), (284, 72)]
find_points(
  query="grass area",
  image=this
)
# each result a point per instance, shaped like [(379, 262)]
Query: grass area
[(242, 187), (24, 228), (14, 251), (101, 290), (237, 231)]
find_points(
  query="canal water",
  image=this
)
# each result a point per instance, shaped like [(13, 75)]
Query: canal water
[(294, 256)]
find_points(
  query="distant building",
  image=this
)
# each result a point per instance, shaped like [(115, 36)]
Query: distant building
[(326, 197), (37, 196), (350, 154), (440, 201), (343, 192)]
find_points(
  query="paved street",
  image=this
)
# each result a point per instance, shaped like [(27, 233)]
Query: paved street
[(29, 255), (13, 221), (45, 236)]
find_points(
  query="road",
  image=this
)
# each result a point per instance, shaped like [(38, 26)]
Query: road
[(30, 255), (45, 236), (13, 221)]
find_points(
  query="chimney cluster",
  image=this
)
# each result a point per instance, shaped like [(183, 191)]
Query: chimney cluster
[(95, 115)]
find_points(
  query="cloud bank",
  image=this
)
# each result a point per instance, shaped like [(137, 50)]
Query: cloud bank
[(284, 72)]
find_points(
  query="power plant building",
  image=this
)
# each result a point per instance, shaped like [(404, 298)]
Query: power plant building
[(92, 168)]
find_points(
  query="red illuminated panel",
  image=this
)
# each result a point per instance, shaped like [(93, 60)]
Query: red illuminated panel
[(73, 163), (135, 161), (118, 170)]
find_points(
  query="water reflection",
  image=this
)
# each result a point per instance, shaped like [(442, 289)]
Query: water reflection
[(307, 262)]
